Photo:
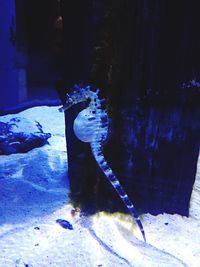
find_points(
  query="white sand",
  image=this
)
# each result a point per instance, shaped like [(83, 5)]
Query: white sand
[(34, 194)]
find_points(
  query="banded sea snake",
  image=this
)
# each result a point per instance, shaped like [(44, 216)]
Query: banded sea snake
[(91, 126)]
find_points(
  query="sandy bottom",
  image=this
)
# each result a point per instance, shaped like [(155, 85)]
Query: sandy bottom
[(30, 236)]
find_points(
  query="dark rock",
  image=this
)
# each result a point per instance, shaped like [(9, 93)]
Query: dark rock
[(18, 135), (145, 61)]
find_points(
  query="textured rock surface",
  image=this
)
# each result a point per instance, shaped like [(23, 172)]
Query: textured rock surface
[(19, 135)]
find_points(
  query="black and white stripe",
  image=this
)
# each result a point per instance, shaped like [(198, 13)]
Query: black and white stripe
[(99, 157), (96, 119)]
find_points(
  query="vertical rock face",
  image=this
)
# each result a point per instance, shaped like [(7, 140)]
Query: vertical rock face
[(145, 60), (8, 70), (159, 155)]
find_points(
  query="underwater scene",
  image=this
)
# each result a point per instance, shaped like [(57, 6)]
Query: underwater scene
[(99, 133), (40, 226)]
